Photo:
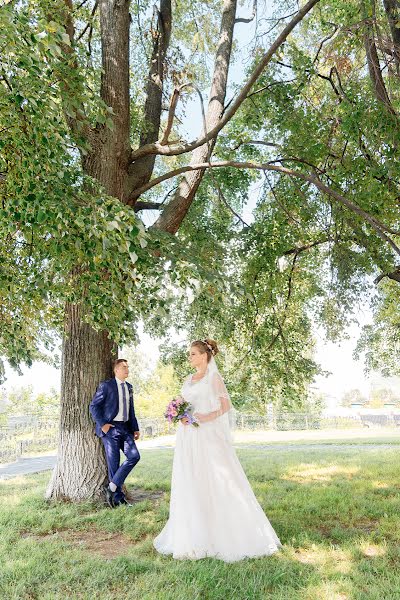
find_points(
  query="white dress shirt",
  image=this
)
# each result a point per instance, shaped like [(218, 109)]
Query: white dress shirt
[(120, 413)]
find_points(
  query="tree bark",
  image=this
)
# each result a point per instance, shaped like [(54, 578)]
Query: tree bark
[(375, 72), (108, 162), (81, 471), (374, 68)]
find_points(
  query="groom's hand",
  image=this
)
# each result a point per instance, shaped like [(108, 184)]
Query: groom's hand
[(136, 435), (106, 427)]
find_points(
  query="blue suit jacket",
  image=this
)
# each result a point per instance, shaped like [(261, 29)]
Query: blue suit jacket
[(105, 404)]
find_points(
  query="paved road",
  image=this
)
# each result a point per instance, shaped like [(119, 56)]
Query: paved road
[(27, 465)]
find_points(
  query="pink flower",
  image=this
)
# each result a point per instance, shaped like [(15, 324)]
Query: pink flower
[(178, 408)]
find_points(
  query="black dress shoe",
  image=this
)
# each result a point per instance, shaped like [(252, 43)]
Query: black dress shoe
[(124, 501), (110, 497)]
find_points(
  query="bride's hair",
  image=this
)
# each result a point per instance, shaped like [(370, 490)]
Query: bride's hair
[(207, 345)]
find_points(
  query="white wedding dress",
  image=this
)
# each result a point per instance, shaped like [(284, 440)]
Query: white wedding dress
[(213, 510)]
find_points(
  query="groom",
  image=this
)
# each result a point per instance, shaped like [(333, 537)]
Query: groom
[(116, 425)]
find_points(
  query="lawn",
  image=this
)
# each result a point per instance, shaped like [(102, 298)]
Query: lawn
[(335, 508)]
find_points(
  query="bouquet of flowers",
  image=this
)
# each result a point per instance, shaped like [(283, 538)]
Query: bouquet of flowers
[(177, 409)]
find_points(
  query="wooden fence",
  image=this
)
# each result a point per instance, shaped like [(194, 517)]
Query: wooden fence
[(41, 435)]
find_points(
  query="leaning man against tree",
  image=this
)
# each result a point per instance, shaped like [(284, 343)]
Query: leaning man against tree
[(116, 424)]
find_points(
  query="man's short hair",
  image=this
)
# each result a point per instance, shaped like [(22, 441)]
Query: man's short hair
[(117, 362)]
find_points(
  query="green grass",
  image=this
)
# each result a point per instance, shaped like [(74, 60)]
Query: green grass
[(336, 510)]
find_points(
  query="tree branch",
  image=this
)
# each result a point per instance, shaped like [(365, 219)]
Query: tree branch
[(90, 23), (256, 143), (175, 211), (392, 9), (225, 201), (374, 69), (250, 19), (171, 150), (140, 172), (172, 109), (306, 247), (141, 205), (268, 87), (280, 325), (326, 39), (377, 225), (394, 275), (337, 238)]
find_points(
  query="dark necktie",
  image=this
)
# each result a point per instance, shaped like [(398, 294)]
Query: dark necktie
[(124, 403)]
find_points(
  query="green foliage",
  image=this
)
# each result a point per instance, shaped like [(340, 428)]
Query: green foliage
[(62, 238), (259, 288), (57, 237), (154, 385), (22, 401), (157, 391), (319, 116), (380, 341), (251, 308)]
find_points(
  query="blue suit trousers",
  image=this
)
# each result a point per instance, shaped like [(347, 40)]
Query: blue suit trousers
[(116, 439)]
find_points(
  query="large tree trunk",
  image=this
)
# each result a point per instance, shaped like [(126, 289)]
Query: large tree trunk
[(81, 468), (87, 355)]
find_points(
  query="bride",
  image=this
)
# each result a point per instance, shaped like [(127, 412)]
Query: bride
[(213, 510)]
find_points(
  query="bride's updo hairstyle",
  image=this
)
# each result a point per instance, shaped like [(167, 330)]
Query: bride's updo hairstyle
[(208, 346)]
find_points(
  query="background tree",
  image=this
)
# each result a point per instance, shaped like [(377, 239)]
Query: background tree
[(23, 401), (354, 396), (381, 396), (380, 341)]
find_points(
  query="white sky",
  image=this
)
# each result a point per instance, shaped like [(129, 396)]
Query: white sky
[(346, 373)]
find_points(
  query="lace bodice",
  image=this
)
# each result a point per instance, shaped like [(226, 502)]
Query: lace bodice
[(198, 394)]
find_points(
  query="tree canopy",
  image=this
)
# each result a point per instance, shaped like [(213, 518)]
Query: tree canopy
[(312, 129)]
